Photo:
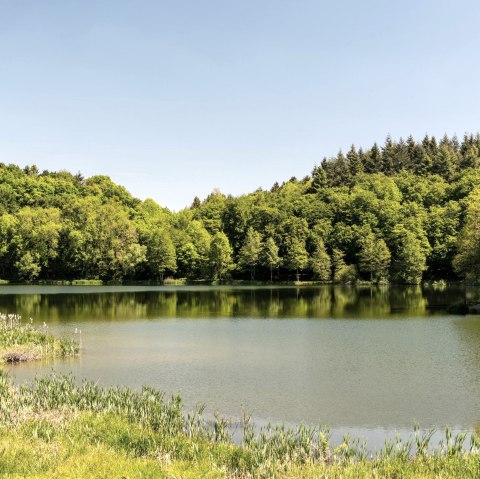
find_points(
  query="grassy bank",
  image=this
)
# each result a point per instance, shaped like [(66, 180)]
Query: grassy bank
[(57, 428), (21, 341)]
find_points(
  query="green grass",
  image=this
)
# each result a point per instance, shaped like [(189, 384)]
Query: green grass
[(20, 341), (175, 281), (58, 428)]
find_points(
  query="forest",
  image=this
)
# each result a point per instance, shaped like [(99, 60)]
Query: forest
[(403, 212)]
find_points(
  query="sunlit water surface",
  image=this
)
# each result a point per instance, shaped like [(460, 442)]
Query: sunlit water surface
[(370, 362)]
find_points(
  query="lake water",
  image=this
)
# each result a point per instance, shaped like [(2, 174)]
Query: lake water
[(368, 361)]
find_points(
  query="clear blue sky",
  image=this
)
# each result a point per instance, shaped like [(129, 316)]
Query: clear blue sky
[(175, 98)]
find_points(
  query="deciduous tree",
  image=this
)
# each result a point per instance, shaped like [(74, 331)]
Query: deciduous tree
[(270, 258), (220, 256), (249, 255)]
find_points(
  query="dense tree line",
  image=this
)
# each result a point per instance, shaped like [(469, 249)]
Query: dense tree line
[(402, 212)]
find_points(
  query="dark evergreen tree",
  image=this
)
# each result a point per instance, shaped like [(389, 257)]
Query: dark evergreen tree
[(319, 179), (373, 160), (389, 157), (338, 171), (354, 160)]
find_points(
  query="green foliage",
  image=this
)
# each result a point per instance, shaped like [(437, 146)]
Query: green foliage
[(269, 256), (211, 212), (374, 257), (188, 259), (101, 240), (342, 273), (30, 240), (220, 256), (27, 268), (320, 262), (410, 257), (192, 243), (57, 427), (161, 255), (296, 257), (443, 225), (21, 341), (407, 199), (249, 255), (319, 179), (467, 261)]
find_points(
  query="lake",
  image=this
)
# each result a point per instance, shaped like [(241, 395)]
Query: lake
[(367, 361)]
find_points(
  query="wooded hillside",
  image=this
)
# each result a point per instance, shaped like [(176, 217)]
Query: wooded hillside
[(398, 212)]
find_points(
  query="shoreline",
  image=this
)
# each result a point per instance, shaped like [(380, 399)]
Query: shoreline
[(119, 430), (237, 282), (21, 342)]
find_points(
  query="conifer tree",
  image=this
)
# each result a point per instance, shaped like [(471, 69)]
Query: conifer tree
[(320, 262), (354, 161), (339, 171), (373, 160), (389, 156), (319, 179), (196, 203), (444, 163)]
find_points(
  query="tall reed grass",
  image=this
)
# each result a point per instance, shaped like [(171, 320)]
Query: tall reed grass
[(22, 341), (140, 428)]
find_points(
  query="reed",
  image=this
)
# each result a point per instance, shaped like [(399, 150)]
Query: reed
[(73, 428), (22, 341)]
